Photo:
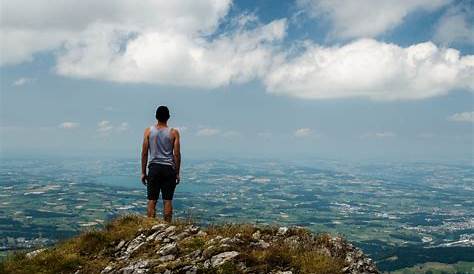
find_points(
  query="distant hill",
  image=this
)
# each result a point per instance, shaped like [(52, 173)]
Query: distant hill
[(133, 244)]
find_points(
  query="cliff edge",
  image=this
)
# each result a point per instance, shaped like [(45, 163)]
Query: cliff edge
[(134, 244)]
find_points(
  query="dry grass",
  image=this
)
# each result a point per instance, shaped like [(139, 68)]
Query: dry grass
[(81, 251), (91, 251)]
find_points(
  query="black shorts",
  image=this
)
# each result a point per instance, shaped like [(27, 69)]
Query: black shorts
[(161, 178)]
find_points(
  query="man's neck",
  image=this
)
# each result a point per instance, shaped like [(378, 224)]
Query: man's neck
[(161, 124)]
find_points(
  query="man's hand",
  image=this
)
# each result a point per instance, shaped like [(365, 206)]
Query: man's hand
[(177, 178), (144, 179)]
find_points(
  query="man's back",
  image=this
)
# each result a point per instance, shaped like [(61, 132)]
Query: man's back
[(161, 145)]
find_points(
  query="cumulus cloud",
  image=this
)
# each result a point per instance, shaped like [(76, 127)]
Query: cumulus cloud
[(208, 132), (180, 43), (31, 27), (68, 125), (172, 58), (456, 25), (163, 42), (23, 81), (105, 127), (303, 132), (365, 18), (467, 117), (370, 69)]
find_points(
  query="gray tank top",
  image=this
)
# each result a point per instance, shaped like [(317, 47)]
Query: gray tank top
[(161, 147)]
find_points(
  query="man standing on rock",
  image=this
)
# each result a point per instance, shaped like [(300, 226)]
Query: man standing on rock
[(162, 144)]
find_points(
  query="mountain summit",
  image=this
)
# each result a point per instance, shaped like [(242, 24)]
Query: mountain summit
[(133, 244)]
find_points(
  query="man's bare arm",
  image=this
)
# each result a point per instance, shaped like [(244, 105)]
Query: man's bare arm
[(177, 153), (145, 154)]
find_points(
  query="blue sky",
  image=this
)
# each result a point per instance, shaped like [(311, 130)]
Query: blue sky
[(272, 79)]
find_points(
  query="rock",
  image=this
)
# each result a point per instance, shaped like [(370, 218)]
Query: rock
[(201, 234), (180, 236), (284, 272), (195, 254), (224, 246), (33, 254), (215, 239), (158, 227), (152, 236), (160, 236), (263, 244), (168, 249), (256, 235), (132, 249), (135, 244), (192, 229), (223, 257), (236, 240), (167, 258), (170, 230), (226, 241), (190, 269), (120, 245), (107, 269), (282, 231), (138, 267)]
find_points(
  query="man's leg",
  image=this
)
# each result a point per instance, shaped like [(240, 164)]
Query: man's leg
[(167, 210), (151, 210)]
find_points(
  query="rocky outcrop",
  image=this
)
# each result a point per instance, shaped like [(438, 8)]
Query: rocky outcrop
[(188, 249)]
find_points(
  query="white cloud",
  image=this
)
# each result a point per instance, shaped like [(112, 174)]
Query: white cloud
[(68, 125), (456, 25), (104, 127), (163, 42), (208, 132), (30, 27), (467, 117), (379, 135), (172, 58), (370, 69), (177, 43), (23, 81), (365, 18), (303, 132)]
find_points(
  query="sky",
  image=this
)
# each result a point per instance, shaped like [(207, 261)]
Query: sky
[(339, 79)]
